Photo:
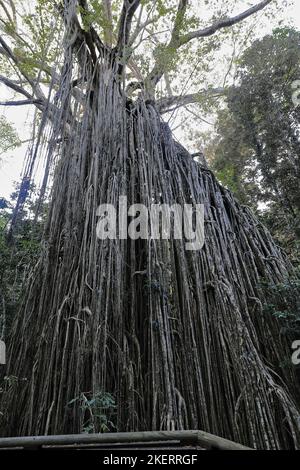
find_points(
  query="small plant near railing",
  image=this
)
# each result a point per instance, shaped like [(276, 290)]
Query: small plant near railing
[(98, 411)]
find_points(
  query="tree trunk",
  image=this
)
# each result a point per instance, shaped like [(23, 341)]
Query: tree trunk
[(178, 337)]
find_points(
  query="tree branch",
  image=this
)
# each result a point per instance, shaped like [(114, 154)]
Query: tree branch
[(225, 23), (14, 11), (6, 50), (128, 10), (21, 103), (9, 83), (14, 145), (10, 55), (91, 36), (159, 67), (177, 41), (6, 11), (40, 103), (140, 27), (182, 6), (164, 104)]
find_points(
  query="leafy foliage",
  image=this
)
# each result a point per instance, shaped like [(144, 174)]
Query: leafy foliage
[(257, 146), (98, 410), (17, 256), (9, 139), (284, 304), (92, 318)]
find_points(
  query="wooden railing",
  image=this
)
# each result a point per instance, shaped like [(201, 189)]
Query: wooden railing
[(186, 438)]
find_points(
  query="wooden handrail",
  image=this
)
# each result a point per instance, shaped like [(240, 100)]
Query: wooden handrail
[(199, 438)]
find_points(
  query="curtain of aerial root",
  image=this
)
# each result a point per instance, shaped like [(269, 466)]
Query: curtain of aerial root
[(178, 337)]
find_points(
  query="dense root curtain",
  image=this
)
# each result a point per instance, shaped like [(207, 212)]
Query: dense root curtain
[(178, 337)]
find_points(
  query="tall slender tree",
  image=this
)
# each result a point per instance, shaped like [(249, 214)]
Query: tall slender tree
[(256, 147)]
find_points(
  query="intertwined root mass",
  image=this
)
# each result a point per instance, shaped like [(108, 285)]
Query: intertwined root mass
[(178, 337)]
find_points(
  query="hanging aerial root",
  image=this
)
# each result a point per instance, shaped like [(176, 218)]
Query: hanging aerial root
[(177, 337)]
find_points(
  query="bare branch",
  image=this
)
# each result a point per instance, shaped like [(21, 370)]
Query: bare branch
[(13, 34), (140, 27), (13, 146), (165, 104), (135, 70), (2, 5), (39, 100), (14, 11), (11, 84), (225, 23), (5, 49), (197, 116), (21, 103), (177, 41), (168, 84)]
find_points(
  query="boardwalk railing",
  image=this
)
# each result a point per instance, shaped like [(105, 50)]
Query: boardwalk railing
[(186, 438)]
